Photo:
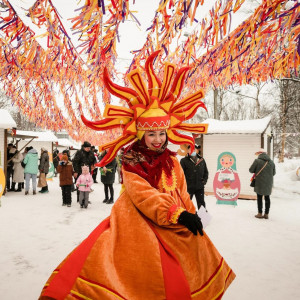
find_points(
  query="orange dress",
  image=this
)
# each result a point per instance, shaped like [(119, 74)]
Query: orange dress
[(140, 251)]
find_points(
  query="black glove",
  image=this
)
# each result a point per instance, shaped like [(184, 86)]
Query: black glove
[(191, 221)]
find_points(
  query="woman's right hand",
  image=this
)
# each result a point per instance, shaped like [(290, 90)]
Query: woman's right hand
[(192, 222)]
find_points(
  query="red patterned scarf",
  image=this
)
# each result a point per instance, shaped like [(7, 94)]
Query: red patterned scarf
[(148, 164)]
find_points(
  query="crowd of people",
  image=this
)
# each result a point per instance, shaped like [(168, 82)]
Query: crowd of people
[(23, 167), (80, 173), (77, 174)]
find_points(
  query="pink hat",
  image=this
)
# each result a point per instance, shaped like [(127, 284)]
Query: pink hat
[(261, 150), (85, 169)]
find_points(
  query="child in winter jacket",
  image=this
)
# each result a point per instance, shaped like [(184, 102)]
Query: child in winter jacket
[(84, 183), (65, 170)]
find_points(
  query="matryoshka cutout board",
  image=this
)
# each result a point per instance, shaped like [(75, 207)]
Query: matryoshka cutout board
[(227, 185)]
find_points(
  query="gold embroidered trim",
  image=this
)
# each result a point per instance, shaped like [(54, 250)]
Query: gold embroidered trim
[(175, 216), (166, 186)]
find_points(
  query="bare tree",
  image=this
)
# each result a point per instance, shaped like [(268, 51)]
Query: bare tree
[(5, 101), (288, 111)]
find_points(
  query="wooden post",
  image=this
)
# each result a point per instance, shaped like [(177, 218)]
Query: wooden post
[(216, 113)]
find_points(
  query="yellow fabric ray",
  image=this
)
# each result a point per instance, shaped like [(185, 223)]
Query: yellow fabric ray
[(154, 83), (168, 75), (178, 82), (114, 147), (166, 105), (187, 101), (177, 138), (115, 142), (113, 111), (188, 112), (195, 128), (130, 128), (137, 82), (129, 95)]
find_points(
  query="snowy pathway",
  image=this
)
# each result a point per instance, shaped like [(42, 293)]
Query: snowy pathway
[(37, 233)]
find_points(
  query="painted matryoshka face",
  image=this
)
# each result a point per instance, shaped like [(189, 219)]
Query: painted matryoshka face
[(226, 161)]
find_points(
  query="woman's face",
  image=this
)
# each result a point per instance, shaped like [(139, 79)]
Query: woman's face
[(155, 139)]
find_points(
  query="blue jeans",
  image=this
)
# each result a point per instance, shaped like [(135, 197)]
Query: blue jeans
[(27, 181)]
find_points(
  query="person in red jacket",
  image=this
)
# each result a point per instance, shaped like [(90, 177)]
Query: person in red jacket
[(65, 170)]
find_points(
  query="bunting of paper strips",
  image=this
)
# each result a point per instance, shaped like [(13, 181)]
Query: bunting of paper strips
[(265, 46)]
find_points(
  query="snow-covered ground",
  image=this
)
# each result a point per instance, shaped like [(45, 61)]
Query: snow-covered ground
[(36, 233)]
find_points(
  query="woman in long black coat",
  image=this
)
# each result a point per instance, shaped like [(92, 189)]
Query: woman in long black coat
[(264, 168), (108, 173)]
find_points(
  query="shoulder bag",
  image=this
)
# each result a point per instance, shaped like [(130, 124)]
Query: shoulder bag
[(252, 183)]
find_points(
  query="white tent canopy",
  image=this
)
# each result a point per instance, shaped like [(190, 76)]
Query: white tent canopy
[(42, 136), (68, 143), (240, 126), (6, 120)]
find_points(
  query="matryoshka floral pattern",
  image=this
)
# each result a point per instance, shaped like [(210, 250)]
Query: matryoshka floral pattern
[(226, 183)]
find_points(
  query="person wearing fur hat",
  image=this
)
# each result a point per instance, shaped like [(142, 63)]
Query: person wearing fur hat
[(65, 170), (44, 169), (264, 169), (83, 157), (196, 174), (84, 183), (152, 246)]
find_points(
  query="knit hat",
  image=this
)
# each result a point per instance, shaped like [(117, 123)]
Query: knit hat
[(157, 107), (86, 144), (64, 157), (44, 149)]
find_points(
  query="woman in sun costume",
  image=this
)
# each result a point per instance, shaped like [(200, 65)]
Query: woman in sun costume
[(143, 250)]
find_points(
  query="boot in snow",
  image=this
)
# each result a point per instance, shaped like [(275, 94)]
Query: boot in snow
[(259, 216)]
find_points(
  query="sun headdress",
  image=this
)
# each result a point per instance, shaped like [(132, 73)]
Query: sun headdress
[(155, 108)]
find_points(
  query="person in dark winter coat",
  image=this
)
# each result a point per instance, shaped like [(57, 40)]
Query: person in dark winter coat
[(108, 174), (83, 157), (44, 168), (65, 170), (196, 175), (95, 171), (10, 168), (55, 160), (264, 168)]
